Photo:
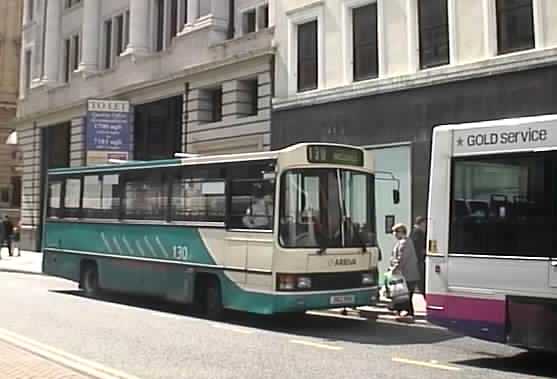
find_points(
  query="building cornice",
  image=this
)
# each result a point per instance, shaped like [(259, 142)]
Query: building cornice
[(521, 61), (123, 92)]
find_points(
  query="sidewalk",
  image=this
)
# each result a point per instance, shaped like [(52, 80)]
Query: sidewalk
[(28, 262), (16, 363), (382, 311)]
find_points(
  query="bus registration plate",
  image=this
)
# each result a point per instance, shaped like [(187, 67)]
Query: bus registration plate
[(342, 299)]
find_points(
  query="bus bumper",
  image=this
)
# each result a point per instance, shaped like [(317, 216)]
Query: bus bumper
[(298, 302)]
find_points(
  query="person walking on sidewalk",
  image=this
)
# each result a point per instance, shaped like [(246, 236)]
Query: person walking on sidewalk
[(8, 233), (406, 262), (418, 237)]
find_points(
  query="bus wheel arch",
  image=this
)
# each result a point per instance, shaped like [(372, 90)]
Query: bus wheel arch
[(208, 295), (89, 277)]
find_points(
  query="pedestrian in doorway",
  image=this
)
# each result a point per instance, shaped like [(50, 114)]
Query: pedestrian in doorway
[(405, 261), (418, 237), (8, 233)]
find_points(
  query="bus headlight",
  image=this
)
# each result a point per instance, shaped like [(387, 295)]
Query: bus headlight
[(368, 279), (304, 283), (286, 282)]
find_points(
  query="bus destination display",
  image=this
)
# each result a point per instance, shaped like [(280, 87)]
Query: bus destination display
[(335, 155)]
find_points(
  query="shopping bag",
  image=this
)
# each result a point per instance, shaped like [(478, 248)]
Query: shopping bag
[(398, 290)]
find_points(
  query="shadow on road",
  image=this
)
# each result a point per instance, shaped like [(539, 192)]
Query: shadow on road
[(330, 328), (535, 364)]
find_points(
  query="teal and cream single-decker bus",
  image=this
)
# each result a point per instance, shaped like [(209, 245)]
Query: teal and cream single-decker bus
[(272, 232)]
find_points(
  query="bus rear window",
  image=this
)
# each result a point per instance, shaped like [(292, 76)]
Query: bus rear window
[(503, 205)]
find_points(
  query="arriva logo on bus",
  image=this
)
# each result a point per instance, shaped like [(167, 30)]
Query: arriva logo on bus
[(526, 136)]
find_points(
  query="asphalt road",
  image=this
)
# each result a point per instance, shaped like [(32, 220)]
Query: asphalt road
[(151, 339)]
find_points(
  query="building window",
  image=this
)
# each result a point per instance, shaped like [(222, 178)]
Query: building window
[(72, 3), (16, 191), (264, 17), (515, 25), (76, 53), (204, 7), (30, 10), (307, 56), (173, 18), (107, 44), (5, 195), (119, 34), (159, 37), (67, 59), (249, 21), (126, 29), (27, 70), (251, 97), (215, 102), (364, 20), (158, 129), (434, 33)]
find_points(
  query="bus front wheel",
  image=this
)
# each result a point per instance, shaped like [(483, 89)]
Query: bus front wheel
[(213, 305), (90, 280)]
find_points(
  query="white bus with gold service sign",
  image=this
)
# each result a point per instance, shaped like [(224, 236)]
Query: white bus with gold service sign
[(492, 259)]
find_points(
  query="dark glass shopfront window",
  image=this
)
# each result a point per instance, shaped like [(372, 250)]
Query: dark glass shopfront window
[(56, 146), (503, 205), (158, 129)]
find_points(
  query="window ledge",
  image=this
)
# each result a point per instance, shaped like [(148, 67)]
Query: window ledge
[(518, 61)]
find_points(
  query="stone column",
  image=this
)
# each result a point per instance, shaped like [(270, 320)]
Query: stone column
[(139, 28), (90, 36), (193, 11), (52, 40)]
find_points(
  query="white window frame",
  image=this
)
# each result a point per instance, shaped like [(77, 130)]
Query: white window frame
[(348, 38), (414, 35), (241, 20), (312, 12), (490, 28)]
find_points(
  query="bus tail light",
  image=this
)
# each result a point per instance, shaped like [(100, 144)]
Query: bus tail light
[(287, 282)]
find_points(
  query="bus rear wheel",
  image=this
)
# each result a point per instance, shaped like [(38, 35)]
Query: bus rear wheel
[(214, 309), (90, 280)]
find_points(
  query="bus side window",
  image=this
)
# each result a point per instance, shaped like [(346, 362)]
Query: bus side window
[(252, 204), (54, 199)]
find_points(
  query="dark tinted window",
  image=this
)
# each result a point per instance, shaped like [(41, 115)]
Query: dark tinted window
[(307, 56), (107, 44), (503, 206), (252, 196), (159, 37), (434, 33), (199, 195), (365, 42), (515, 25), (145, 195)]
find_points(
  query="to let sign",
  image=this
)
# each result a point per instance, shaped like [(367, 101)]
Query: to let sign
[(108, 130)]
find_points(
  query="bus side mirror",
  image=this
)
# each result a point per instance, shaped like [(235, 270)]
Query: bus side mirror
[(396, 196)]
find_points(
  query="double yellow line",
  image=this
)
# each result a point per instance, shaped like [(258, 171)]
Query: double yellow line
[(73, 362)]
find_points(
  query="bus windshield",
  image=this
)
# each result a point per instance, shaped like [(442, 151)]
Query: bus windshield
[(327, 208)]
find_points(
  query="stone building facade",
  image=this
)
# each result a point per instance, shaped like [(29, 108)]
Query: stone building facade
[(10, 169), (383, 73), (198, 74)]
